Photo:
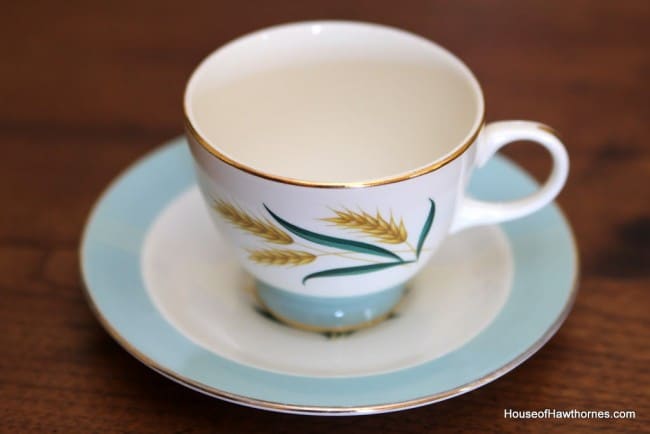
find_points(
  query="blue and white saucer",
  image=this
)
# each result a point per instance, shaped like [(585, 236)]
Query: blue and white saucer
[(165, 286)]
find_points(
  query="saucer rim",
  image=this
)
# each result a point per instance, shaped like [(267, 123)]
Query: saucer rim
[(302, 408), (262, 404)]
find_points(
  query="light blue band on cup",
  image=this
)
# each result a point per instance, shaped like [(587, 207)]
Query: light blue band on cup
[(328, 313)]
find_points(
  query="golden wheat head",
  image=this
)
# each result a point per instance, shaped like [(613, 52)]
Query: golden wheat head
[(281, 257), (376, 226), (256, 226)]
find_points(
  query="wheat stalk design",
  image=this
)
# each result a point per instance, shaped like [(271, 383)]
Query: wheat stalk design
[(377, 227), (256, 226), (281, 257)]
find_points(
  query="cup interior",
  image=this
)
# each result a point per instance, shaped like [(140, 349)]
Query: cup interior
[(333, 102)]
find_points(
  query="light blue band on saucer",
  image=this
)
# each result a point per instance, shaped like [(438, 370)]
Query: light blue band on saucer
[(328, 313), (543, 290)]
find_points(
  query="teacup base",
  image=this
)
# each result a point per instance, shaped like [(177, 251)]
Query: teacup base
[(328, 314)]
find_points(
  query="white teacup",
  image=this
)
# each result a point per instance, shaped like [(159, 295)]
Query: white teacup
[(335, 157)]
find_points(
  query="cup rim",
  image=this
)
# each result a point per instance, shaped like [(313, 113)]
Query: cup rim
[(456, 152)]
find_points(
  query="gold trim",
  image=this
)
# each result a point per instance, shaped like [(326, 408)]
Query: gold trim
[(191, 131), (458, 151), (333, 410), (548, 129)]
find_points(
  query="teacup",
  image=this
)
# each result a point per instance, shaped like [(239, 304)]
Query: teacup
[(335, 157)]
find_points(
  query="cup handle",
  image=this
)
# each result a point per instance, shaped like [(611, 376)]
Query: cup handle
[(472, 212)]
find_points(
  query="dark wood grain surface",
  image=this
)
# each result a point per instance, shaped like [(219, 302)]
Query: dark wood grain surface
[(87, 87)]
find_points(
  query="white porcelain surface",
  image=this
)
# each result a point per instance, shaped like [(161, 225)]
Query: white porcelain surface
[(334, 101), (194, 280), (406, 196)]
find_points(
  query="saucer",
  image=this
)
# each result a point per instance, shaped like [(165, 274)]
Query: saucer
[(166, 287)]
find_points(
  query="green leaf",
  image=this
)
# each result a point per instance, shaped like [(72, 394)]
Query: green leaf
[(339, 243), (426, 228), (347, 271)]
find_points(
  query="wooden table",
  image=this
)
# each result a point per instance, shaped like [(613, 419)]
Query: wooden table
[(87, 88)]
